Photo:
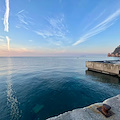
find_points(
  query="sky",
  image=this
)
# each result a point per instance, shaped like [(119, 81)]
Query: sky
[(59, 27)]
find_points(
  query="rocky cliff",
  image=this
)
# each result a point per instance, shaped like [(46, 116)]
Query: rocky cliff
[(116, 52)]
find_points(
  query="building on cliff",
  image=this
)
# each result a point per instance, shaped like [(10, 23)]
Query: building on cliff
[(116, 52)]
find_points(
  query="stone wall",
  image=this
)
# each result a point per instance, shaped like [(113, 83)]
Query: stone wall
[(108, 68)]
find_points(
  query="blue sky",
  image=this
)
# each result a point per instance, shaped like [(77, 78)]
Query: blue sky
[(58, 27)]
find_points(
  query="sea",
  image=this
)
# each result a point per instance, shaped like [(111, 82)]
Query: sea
[(37, 88)]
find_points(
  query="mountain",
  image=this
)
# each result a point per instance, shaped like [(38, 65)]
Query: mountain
[(116, 52)]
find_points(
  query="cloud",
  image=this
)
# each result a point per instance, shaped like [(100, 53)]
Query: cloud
[(6, 16), (94, 20), (55, 28), (8, 42), (109, 19), (24, 21), (99, 15), (44, 33), (20, 11), (100, 27)]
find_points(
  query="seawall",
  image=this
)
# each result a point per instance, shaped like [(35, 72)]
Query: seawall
[(106, 67), (92, 113)]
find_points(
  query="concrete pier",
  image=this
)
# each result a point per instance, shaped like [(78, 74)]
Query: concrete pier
[(107, 67), (92, 113)]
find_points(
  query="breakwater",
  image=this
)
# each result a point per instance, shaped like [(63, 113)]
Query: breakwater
[(111, 67), (92, 113)]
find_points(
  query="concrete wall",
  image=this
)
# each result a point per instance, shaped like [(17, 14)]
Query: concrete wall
[(107, 68), (91, 112)]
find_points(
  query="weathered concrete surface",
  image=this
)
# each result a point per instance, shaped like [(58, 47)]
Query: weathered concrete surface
[(108, 67), (91, 112)]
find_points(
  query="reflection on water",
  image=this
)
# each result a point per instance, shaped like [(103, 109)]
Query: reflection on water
[(42, 88), (103, 77), (12, 101)]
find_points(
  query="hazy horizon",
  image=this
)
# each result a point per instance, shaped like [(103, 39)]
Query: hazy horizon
[(59, 27)]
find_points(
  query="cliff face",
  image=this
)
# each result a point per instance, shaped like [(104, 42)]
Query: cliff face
[(116, 52)]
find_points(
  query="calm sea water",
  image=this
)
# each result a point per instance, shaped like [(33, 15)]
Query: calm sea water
[(42, 87)]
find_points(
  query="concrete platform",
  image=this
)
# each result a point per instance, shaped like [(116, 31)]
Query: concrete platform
[(91, 112), (107, 67)]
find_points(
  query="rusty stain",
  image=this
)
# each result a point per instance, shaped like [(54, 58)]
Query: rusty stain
[(93, 108)]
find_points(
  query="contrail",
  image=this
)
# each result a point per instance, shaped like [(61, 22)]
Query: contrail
[(8, 42), (100, 27), (6, 16), (6, 23)]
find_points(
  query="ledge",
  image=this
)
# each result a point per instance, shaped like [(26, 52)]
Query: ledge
[(91, 112)]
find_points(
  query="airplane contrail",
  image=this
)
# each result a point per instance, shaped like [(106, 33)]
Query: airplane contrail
[(8, 43), (109, 21), (6, 16)]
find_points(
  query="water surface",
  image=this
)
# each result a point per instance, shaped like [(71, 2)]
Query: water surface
[(36, 88)]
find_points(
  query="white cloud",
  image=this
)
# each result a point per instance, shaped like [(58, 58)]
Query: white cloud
[(54, 28), (20, 11), (94, 20), (8, 42), (44, 33), (99, 15), (24, 21), (6, 16), (100, 27), (109, 19)]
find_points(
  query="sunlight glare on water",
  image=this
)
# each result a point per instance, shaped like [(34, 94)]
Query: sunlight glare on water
[(33, 88)]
